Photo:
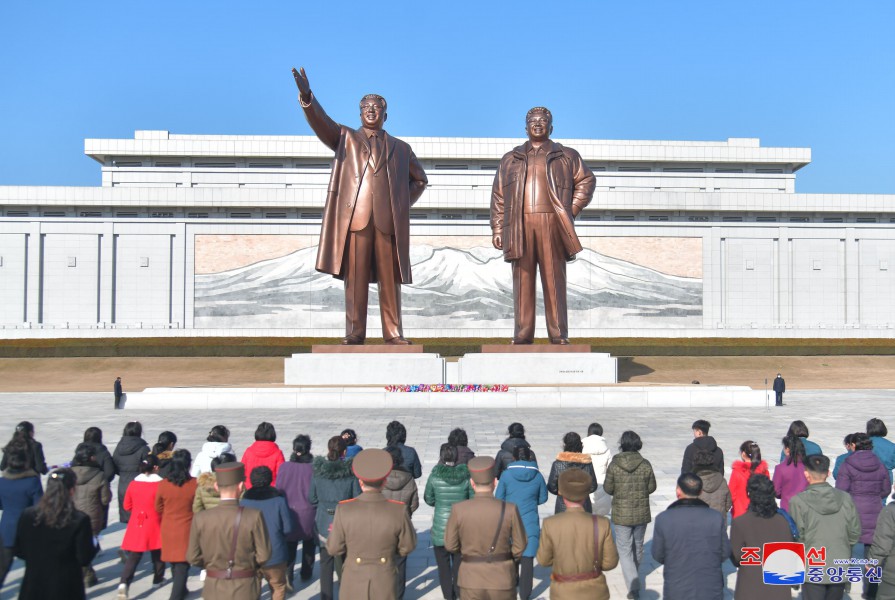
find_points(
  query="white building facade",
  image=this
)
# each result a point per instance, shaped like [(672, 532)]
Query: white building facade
[(216, 235)]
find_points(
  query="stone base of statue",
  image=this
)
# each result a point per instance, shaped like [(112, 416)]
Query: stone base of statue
[(537, 365), (331, 365)]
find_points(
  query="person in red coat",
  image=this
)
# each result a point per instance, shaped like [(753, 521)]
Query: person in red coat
[(750, 464), (143, 533), (264, 452), (174, 502)]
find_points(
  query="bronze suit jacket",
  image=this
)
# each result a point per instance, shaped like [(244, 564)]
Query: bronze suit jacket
[(567, 544), (211, 537), (406, 179), (470, 530), (571, 183), (371, 530)]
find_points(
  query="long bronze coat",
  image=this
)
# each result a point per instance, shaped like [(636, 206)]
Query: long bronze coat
[(571, 183), (470, 531), (211, 537), (371, 530), (567, 544), (406, 180)]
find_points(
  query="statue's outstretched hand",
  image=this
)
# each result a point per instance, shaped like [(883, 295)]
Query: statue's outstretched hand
[(301, 80)]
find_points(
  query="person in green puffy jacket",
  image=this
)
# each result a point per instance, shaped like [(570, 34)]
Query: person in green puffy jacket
[(448, 484), (630, 480)]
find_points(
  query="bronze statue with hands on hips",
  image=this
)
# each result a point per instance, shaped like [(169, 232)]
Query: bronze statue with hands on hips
[(365, 235)]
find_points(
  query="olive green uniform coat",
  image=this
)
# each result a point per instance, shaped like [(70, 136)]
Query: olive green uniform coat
[(370, 530)]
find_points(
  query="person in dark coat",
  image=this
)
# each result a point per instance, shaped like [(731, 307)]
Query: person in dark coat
[(24, 434), (94, 437), (458, 438), (505, 455), (396, 435), (447, 485), (19, 488), (760, 524), (92, 496), (702, 441), (399, 486), (522, 484), (779, 388), (333, 481), (571, 457), (55, 541), (294, 480), (129, 454), (119, 392), (690, 539), (272, 504), (864, 476)]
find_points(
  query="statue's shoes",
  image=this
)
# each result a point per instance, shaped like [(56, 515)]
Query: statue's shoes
[(352, 340), (398, 341), (518, 342), (560, 341)]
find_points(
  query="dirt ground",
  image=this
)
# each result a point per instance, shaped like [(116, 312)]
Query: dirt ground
[(97, 374)]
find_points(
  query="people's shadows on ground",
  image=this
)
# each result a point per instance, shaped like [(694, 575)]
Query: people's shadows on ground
[(629, 368)]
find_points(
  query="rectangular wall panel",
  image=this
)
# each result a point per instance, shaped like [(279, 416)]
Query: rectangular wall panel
[(143, 279), (70, 279), (749, 282), (818, 282), (877, 282), (13, 266)]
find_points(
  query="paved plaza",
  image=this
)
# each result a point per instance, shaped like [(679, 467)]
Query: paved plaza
[(60, 419)]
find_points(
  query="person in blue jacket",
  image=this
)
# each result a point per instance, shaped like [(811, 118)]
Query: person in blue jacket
[(800, 430), (522, 484), (883, 448), (19, 488)]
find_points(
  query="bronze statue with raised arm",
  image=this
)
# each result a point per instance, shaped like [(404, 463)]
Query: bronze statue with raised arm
[(538, 191), (365, 236)]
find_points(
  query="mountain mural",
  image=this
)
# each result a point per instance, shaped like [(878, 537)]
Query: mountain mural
[(452, 288)]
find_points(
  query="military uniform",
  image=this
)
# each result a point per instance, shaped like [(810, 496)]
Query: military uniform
[(370, 530), (486, 573), (567, 544), (211, 544)]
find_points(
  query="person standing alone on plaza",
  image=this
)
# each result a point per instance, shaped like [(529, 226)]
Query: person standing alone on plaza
[(119, 392), (779, 389)]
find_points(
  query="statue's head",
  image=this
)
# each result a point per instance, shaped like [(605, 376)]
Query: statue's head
[(538, 124), (373, 111)]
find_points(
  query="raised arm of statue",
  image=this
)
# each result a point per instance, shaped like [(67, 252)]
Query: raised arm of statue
[(327, 130)]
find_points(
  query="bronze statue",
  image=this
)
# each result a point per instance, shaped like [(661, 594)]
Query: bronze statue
[(365, 236), (538, 191)]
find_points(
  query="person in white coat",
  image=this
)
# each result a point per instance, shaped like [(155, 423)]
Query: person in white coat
[(600, 454), (218, 443)]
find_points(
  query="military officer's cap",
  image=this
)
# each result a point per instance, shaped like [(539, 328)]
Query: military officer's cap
[(372, 465), (229, 474), (574, 485), (481, 469)]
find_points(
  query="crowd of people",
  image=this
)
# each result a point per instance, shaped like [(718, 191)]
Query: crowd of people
[(601, 512)]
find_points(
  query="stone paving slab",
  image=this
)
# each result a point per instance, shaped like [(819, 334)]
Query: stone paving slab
[(60, 419)]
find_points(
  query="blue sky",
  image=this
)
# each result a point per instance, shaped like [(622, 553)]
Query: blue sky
[(794, 73)]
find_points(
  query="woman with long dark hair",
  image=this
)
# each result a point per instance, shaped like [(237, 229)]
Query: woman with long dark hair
[(396, 435), (24, 434), (750, 464), (789, 475), (163, 450), (571, 457), (294, 480), (143, 532), (174, 502), (332, 482), (56, 542), (760, 524), (129, 454), (19, 488)]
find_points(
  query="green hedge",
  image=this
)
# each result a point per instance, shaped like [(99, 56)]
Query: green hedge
[(274, 346)]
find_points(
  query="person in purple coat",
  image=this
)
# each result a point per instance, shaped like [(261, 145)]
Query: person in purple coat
[(864, 476), (789, 475), (294, 480)]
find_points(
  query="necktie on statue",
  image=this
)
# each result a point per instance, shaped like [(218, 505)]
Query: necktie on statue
[(375, 151)]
